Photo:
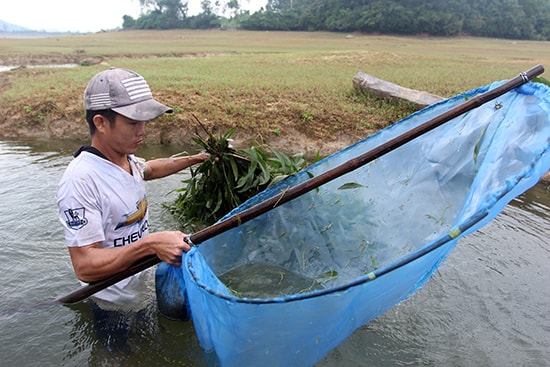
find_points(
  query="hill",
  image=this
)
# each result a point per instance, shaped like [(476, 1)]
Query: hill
[(8, 27)]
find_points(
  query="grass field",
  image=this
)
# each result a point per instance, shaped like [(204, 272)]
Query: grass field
[(272, 86)]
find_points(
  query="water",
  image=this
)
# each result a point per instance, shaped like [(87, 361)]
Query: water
[(486, 306), (262, 280), (13, 67)]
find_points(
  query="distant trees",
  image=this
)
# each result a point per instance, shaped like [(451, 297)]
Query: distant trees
[(173, 14), (207, 18), (515, 19), (158, 14)]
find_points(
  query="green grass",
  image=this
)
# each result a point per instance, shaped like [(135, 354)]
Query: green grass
[(271, 83), (413, 62)]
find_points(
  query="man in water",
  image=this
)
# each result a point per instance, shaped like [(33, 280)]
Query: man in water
[(101, 197)]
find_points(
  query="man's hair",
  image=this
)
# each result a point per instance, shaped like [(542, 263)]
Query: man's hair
[(108, 114)]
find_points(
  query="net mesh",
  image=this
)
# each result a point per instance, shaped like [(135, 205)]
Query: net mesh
[(288, 286)]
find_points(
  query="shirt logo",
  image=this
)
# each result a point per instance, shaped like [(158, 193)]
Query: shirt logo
[(136, 216), (76, 218)]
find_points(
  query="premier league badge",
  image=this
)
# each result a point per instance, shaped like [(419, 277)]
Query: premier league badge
[(76, 218)]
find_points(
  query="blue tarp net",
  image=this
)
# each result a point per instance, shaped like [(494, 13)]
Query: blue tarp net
[(302, 277)]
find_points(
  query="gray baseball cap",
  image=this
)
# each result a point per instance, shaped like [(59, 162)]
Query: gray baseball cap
[(125, 92)]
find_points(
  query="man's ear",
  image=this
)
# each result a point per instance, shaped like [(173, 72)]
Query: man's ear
[(100, 122)]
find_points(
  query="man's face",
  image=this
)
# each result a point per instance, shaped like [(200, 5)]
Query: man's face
[(125, 135)]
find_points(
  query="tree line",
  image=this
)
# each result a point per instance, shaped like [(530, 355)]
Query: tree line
[(512, 19)]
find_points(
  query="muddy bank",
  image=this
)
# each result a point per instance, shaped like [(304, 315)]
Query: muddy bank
[(163, 132), (181, 131)]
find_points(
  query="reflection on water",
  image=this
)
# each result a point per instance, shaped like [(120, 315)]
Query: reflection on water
[(13, 67), (486, 306), (152, 340), (536, 201)]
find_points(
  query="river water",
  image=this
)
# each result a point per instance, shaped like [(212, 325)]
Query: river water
[(488, 305)]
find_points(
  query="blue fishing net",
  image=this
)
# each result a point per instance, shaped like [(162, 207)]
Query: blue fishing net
[(288, 286)]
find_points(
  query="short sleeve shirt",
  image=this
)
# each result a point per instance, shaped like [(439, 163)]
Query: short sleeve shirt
[(99, 201)]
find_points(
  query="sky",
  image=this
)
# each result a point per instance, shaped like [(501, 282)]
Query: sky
[(82, 15)]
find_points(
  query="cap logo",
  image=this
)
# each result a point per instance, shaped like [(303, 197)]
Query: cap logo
[(137, 88), (100, 100)]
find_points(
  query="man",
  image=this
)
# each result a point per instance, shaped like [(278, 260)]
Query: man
[(101, 197)]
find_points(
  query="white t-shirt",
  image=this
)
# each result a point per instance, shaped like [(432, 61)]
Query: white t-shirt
[(99, 201)]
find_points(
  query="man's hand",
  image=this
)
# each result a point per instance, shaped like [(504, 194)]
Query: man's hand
[(169, 246)]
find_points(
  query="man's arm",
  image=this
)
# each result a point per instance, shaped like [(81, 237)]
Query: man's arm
[(162, 167), (92, 263)]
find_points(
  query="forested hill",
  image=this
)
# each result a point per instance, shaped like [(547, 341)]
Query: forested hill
[(514, 19)]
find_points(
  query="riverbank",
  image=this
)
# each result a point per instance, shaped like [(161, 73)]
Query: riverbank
[(290, 90), (48, 122), (179, 129), (291, 122), (164, 131)]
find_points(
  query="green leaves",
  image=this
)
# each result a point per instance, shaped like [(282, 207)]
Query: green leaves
[(542, 80), (228, 178), (350, 185)]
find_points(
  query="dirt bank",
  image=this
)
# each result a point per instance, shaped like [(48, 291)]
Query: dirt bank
[(166, 132), (180, 130)]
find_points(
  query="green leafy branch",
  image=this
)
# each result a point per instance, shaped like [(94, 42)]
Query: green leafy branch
[(228, 178)]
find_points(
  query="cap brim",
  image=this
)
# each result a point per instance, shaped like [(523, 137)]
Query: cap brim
[(143, 111)]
